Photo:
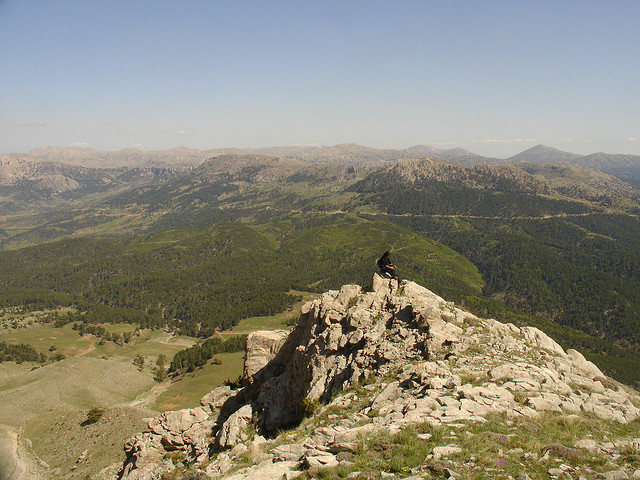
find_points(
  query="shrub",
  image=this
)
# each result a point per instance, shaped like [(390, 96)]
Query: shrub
[(309, 407), (93, 416)]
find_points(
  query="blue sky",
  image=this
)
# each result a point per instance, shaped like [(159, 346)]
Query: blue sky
[(495, 77)]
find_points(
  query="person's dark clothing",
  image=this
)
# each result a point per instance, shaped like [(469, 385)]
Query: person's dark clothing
[(384, 266)]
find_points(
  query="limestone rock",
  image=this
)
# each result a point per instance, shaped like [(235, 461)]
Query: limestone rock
[(235, 429), (215, 399), (291, 453), (267, 470), (446, 451), (262, 347), (537, 338), (616, 475)]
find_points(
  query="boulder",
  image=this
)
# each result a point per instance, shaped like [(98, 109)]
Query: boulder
[(262, 347), (235, 429)]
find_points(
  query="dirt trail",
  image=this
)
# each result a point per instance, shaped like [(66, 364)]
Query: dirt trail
[(84, 352), (17, 463), (145, 399)]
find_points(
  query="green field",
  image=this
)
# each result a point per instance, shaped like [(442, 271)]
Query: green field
[(272, 322), (69, 343), (187, 392)]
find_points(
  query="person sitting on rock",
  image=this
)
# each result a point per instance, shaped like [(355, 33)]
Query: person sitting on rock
[(385, 265)]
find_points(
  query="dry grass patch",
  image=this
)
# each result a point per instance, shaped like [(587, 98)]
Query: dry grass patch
[(73, 449)]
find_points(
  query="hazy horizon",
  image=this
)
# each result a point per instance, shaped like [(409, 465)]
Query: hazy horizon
[(270, 147)]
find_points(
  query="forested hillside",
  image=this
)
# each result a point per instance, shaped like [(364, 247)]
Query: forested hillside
[(197, 281)]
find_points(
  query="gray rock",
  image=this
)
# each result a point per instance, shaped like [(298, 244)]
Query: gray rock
[(267, 470), (537, 338), (288, 453), (588, 444), (220, 466), (235, 429), (198, 475), (325, 460), (616, 475), (581, 363), (446, 451), (262, 347)]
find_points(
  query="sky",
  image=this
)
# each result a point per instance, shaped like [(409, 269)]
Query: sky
[(494, 77)]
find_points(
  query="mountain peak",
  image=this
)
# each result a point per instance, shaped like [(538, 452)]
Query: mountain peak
[(544, 154), (365, 363), (425, 149)]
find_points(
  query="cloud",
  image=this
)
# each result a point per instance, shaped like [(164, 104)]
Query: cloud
[(80, 144), (633, 139), (33, 124), (507, 141), (181, 132)]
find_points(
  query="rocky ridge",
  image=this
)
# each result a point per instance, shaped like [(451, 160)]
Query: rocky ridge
[(421, 173), (361, 364), (583, 183), (27, 179)]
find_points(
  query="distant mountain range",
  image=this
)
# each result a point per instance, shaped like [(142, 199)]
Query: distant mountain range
[(48, 173), (625, 166), (29, 179), (621, 165)]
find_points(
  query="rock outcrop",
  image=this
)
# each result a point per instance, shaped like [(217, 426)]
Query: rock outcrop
[(416, 359)]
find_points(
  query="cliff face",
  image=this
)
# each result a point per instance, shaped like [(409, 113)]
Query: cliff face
[(386, 359)]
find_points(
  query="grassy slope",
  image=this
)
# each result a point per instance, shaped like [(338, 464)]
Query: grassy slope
[(501, 448), (187, 392), (59, 439), (71, 384), (335, 250), (68, 343), (50, 402)]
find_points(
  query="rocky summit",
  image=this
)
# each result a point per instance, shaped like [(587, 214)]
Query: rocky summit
[(397, 362)]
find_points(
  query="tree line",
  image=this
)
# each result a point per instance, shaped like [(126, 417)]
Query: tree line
[(196, 356), (20, 353)]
